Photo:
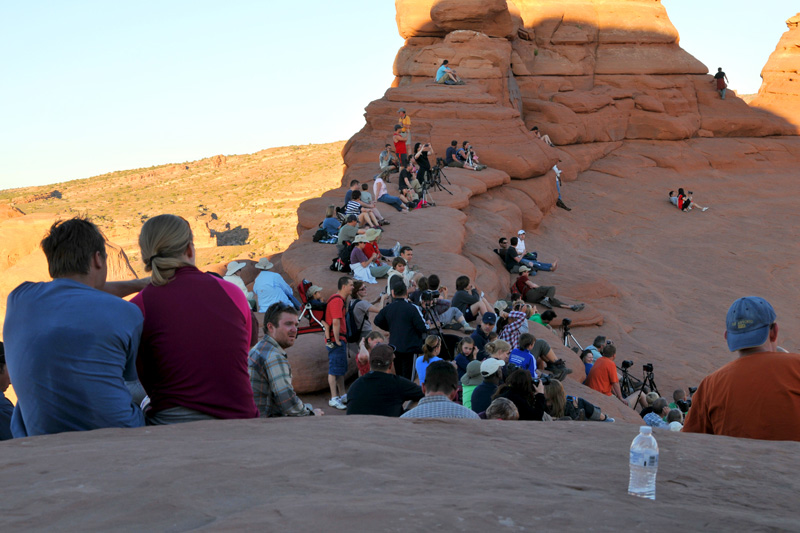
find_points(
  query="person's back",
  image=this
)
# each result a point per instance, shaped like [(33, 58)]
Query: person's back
[(441, 388), (724, 403), (381, 394), (482, 396), (270, 288), (70, 349), (194, 346), (522, 359)]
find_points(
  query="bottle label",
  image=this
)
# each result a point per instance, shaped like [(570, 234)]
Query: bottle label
[(644, 459)]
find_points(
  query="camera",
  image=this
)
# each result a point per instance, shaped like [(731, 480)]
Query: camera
[(439, 162), (544, 378), (648, 367), (627, 364), (429, 296), (566, 322), (684, 405), (692, 390)]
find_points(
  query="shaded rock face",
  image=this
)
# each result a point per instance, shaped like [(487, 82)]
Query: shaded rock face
[(780, 89)]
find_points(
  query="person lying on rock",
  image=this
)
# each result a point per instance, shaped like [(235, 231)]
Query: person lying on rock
[(469, 301), (545, 138), (71, 343), (388, 160), (560, 405), (381, 192), (543, 294), (268, 366), (448, 76), (380, 392)]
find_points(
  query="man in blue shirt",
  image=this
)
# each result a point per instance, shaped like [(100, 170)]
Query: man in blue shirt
[(451, 156), (448, 76), (521, 357), (71, 346), (270, 288)]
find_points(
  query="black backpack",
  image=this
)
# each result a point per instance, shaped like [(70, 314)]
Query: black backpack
[(320, 235), (353, 331)]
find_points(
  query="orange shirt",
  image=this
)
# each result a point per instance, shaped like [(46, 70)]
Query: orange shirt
[(602, 376), (756, 396)]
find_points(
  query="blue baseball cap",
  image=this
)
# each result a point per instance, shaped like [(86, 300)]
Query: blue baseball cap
[(748, 322), (489, 318)]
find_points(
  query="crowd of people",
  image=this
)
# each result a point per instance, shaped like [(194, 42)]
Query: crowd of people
[(186, 347)]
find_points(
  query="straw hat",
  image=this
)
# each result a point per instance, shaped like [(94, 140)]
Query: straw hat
[(234, 267), (264, 264)]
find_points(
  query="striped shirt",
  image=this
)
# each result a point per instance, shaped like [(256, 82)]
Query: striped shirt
[(438, 406), (271, 378), (352, 208)]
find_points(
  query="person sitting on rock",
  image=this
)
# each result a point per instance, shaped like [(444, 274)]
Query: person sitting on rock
[(270, 288), (492, 373), (528, 398), (603, 378), (381, 192), (515, 259), (365, 347), (465, 353), (469, 301), (656, 418), (471, 379), (445, 312), (396, 272), (233, 276), (331, 222), (543, 294), (531, 258), (388, 160), (545, 138), (685, 201), (451, 156), (348, 231), (514, 322), (441, 389), (675, 419), (560, 405), (365, 215), (360, 264), (521, 356), (268, 366), (400, 144), (448, 76), (409, 184), (544, 318), (380, 392), (470, 157), (502, 409), (482, 335)]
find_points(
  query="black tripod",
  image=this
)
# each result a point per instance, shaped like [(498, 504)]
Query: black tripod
[(433, 180), (626, 383), (429, 313), (567, 335), (647, 381)]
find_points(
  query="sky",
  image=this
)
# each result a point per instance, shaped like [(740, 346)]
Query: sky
[(89, 87)]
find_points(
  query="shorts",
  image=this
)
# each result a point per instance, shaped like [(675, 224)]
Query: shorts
[(468, 316), (337, 359)]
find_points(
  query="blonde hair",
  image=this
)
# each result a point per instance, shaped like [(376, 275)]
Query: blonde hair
[(330, 212), (431, 342), (554, 393), (498, 345), (163, 241)]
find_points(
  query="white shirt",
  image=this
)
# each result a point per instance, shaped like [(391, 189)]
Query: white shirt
[(520, 247)]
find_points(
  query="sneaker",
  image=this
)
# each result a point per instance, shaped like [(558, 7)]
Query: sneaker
[(343, 398), (546, 303), (469, 329), (396, 249), (705, 209), (577, 307), (336, 403), (384, 222), (608, 419)]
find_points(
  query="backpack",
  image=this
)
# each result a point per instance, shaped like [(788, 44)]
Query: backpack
[(320, 234), (353, 331)]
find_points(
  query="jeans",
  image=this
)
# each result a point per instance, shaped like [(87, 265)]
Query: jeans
[(393, 201), (536, 265)]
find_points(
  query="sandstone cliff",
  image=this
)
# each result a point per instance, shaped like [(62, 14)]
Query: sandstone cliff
[(780, 89)]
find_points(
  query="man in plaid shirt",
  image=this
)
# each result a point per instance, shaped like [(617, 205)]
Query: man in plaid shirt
[(511, 333), (441, 389), (270, 373)]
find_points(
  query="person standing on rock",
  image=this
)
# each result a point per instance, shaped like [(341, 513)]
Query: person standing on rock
[(756, 396), (400, 146), (70, 345), (721, 79), (403, 320), (268, 365), (405, 121), (335, 312)]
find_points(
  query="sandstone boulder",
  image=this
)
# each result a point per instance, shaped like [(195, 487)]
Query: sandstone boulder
[(490, 17), (309, 361)]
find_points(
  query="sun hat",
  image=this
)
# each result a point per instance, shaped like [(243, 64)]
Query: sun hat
[(234, 267), (312, 290), (264, 264), (473, 375), (500, 305), (491, 366), (372, 234), (748, 322), (361, 238)]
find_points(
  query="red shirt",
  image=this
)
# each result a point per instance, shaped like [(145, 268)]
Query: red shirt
[(335, 308), (522, 285), (372, 248), (602, 376), (194, 346)]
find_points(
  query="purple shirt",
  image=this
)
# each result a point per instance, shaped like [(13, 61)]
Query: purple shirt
[(358, 256), (194, 346)]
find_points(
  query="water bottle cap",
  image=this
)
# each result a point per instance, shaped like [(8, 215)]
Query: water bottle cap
[(646, 430)]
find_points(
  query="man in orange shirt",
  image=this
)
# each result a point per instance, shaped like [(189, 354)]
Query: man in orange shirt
[(756, 396), (603, 378)]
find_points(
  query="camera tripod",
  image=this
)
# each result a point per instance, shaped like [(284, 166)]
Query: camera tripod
[(626, 384), (433, 180), (567, 336), (648, 380), (429, 313)]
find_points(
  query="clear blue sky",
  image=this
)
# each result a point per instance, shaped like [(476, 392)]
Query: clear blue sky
[(91, 87)]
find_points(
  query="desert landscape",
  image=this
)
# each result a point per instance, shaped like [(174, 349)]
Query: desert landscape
[(632, 116)]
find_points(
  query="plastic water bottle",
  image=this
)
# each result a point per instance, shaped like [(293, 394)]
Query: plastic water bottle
[(644, 464)]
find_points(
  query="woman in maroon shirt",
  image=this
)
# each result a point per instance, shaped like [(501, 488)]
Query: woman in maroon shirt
[(193, 354)]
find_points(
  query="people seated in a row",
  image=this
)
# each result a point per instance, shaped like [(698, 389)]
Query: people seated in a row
[(463, 157)]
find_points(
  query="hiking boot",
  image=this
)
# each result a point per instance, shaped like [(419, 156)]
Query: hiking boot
[(562, 205), (546, 303), (577, 307)]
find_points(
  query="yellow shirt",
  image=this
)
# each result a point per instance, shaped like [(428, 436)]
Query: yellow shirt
[(405, 122)]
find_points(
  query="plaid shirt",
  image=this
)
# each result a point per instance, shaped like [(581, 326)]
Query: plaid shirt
[(271, 378), (438, 406), (511, 333)]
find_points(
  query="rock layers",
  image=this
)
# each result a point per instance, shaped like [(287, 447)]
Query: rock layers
[(780, 90)]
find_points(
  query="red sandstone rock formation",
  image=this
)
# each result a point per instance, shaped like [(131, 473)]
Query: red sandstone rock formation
[(780, 89)]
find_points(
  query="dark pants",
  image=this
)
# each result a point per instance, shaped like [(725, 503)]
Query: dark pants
[(404, 363), (404, 160), (540, 293)]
